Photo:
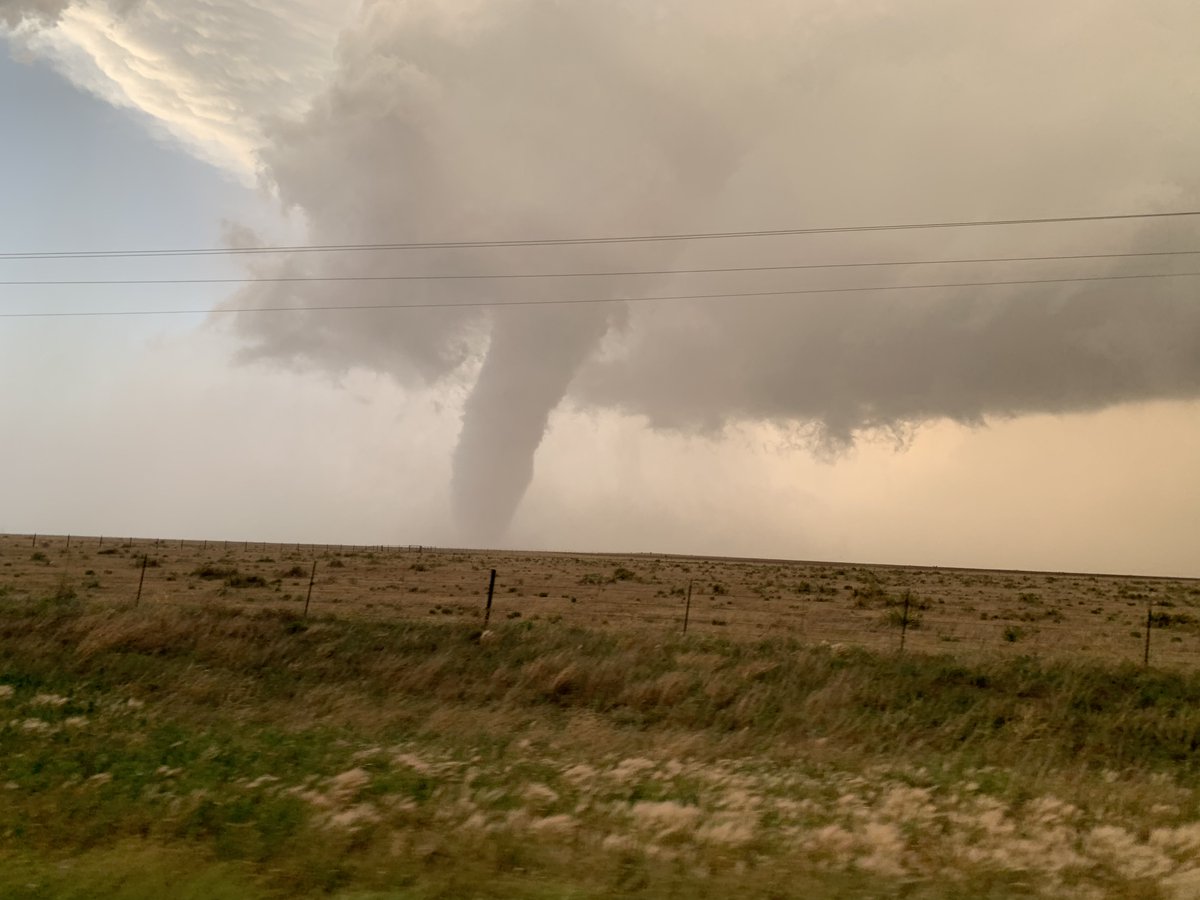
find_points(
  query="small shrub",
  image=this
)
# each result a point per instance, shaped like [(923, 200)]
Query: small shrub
[(238, 580), (914, 602), (894, 618), (212, 572), (1165, 619), (65, 599)]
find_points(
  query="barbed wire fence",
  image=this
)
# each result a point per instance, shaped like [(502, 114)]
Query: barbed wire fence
[(1141, 620)]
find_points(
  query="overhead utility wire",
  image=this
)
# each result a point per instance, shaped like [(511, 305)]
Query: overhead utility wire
[(555, 242), (478, 304), (289, 279)]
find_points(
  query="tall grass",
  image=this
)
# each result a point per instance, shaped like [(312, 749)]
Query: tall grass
[(1000, 712), (227, 730)]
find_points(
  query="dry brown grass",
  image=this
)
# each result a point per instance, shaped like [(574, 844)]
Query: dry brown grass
[(970, 614), (588, 749)]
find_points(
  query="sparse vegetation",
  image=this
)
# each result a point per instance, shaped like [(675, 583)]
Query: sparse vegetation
[(211, 571), (386, 747), (238, 580), (386, 740)]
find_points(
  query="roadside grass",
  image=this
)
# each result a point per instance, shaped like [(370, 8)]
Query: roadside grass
[(126, 871), (272, 669), (245, 752)]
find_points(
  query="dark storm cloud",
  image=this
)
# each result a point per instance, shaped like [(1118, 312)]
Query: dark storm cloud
[(533, 118)]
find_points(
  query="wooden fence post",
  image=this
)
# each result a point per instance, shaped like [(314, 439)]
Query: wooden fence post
[(487, 611), (311, 579), (142, 579), (687, 609), (1149, 625)]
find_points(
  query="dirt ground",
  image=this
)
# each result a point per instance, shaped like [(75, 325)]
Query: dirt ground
[(968, 613)]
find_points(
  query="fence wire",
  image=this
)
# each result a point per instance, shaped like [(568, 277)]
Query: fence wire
[(960, 612)]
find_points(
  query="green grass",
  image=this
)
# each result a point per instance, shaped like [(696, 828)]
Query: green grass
[(128, 871), (239, 753)]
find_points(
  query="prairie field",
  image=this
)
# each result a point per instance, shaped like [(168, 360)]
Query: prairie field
[(230, 734)]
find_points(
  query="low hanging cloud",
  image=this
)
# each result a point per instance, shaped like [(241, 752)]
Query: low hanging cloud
[(531, 119), (446, 120), (497, 121), (849, 362)]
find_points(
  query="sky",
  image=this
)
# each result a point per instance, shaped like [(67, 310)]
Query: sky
[(1049, 424)]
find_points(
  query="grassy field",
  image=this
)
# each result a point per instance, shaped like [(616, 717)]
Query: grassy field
[(971, 614), (211, 741)]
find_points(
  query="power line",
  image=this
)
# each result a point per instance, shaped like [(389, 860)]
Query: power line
[(479, 304), (556, 242), (290, 279)]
